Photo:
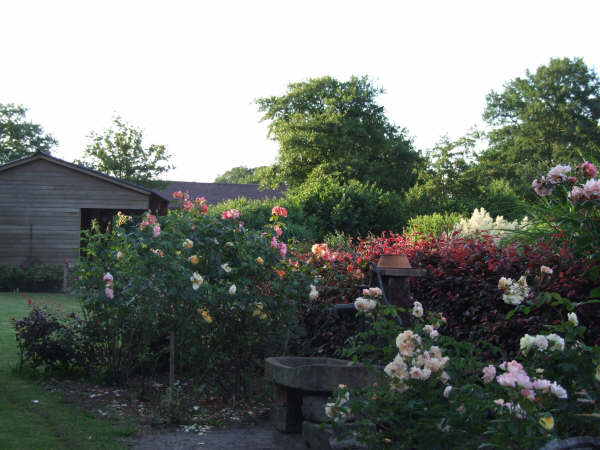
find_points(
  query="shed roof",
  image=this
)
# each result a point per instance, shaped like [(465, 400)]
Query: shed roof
[(91, 172), (218, 192)]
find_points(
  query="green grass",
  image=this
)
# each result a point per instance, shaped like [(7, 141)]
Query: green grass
[(30, 416)]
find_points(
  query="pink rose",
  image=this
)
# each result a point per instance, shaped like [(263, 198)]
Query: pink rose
[(540, 188), (506, 379), (109, 293), (108, 278), (282, 250), (577, 195), (278, 230), (447, 391), (542, 385), (156, 231), (588, 169), (591, 189), (529, 394), (177, 195), (489, 373), (279, 211), (187, 205)]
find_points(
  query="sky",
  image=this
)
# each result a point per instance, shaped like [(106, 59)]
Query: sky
[(187, 72)]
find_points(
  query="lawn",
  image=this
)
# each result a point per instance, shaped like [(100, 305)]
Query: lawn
[(30, 416)]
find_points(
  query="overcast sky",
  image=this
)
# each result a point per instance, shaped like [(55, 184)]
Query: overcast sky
[(187, 73)]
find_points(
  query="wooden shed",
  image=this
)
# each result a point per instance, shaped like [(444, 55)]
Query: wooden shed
[(45, 202)]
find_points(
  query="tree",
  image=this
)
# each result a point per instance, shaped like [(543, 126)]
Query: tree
[(549, 117), (242, 175), (339, 128), (119, 152), (19, 137)]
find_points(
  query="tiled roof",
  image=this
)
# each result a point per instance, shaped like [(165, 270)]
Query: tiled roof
[(218, 192)]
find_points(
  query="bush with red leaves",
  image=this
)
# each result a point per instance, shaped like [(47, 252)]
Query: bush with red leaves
[(462, 282)]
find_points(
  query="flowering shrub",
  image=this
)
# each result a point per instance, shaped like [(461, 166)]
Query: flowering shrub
[(437, 389), (224, 293), (481, 222), (570, 203)]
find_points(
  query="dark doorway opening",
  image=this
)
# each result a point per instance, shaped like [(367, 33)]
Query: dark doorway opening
[(104, 217)]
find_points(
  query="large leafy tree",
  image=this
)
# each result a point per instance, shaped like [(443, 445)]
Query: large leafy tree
[(339, 128), (242, 175), (119, 152), (18, 136), (545, 118), (448, 180)]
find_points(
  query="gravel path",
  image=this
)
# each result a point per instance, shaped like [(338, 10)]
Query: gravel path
[(238, 437)]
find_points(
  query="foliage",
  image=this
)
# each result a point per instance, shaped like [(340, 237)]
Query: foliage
[(47, 337), (224, 291), (500, 199), (352, 207), (119, 152), (548, 116), (570, 206), (242, 175), (440, 393), (462, 282), (18, 137), (339, 128), (34, 278), (448, 182), (433, 225), (34, 416), (256, 213)]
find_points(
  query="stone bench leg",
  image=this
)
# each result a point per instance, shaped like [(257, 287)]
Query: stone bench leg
[(286, 411)]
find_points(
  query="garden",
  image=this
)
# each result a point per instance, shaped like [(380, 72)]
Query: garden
[(499, 346)]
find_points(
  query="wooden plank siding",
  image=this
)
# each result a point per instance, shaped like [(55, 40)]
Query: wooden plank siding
[(40, 210)]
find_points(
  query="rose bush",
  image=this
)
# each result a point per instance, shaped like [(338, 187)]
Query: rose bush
[(225, 294)]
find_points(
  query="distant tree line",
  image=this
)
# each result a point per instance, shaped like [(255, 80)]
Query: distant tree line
[(347, 168)]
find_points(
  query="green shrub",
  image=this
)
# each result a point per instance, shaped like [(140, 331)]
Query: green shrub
[(224, 293), (35, 278), (354, 208), (50, 338), (255, 213), (499, 199), (433, 224)]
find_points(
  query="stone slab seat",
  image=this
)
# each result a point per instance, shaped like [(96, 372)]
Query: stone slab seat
[(317, 374)]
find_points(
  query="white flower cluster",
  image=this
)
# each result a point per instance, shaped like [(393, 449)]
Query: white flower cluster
[(542, 343), (368, 302), (338, 410), (417, 310), (514, 291), (481, 221), (413, 362)]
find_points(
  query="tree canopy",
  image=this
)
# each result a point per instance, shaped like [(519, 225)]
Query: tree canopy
[(546, 118), (242, 175), (339, 128), (19, 137), (119, 152)]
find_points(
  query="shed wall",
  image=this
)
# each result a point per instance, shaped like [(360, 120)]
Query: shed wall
[(40, 204)]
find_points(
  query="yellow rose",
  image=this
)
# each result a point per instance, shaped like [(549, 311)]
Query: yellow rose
[(188, 243), (547, 422), (193, 259), (259, 260), (205, 315), (178, 253)]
